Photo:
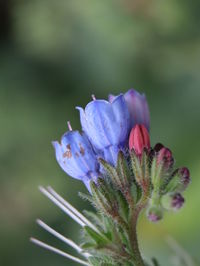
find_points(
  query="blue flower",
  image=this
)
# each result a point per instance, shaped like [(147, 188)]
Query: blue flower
[(107, 126), (138, 107), (76, 157)]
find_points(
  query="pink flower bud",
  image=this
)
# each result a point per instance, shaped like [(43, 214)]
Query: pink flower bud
[(183, 175), (172, 201), (177, 201), (139, 139), (154, 213), (164, 157)]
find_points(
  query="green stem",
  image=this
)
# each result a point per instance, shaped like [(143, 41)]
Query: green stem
[(134, 240), (138, 260)]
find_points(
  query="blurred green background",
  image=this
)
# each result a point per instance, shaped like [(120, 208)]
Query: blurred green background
[(53, 56)]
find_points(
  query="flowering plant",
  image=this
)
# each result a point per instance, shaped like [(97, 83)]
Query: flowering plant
[(124, 175)]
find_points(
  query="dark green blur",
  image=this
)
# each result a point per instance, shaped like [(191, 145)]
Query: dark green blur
[(53, 56)]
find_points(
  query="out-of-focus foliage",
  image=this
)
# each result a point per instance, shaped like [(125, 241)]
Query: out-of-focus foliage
[(53, 55)]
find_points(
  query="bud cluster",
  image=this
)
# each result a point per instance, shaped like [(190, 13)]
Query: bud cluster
[(154, 172), (142, 178)]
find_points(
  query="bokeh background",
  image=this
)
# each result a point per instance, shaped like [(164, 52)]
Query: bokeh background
[(53, 56)]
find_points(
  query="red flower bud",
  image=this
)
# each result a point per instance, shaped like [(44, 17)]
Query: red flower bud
[(139, 139)]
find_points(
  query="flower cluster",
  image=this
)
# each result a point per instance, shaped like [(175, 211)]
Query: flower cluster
[(122, 124), (123, 173), (106, 127)]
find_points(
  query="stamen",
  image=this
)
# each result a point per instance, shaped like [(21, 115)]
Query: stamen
[(93, 97), (58, 251), (71, 208), (62, 238), (62, 207), (69, 126)]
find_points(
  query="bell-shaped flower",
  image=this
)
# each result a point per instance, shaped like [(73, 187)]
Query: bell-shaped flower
[(106, 125), (76, 157), (138, 107)]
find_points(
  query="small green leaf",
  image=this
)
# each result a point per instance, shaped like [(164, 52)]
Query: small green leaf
[(123, 206), (101, 240), (85, 197), (115, 179), (136, 167), (88, 245), (145, 165), (173, 185), (122, 169)]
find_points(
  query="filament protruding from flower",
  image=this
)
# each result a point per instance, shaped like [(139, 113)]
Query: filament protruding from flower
[(93, 97), (67, 208), (62, 238), (62, 207), (69, 126), (58, 251), (71, 208)]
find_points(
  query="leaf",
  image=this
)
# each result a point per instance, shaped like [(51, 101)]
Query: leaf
[(122, 169), (123, 206), (136, 167), (94, 218), (84, 196), (101, 240), (88, 245), (113, 174)]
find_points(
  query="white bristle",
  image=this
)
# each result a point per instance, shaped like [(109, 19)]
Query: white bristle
[(58, 251), (62, 238), (62, 207), (71, 208)]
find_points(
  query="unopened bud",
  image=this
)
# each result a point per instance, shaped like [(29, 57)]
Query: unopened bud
[(155, 213), (179, 181), (172, 201), (139, 139), (183, 175), (164, 157)]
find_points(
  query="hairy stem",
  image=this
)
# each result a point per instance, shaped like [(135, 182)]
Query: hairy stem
[(138, 260), (134, 240)]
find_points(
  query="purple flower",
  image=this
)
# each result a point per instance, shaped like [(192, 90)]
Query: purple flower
[(76, 157), (107, 126), (138, 107)]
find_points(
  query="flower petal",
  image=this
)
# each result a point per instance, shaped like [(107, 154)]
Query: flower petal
[(104, 123), (138, 108)]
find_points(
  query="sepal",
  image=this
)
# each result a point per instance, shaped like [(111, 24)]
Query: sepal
[(141, 169), (172, 201), (155, 213)]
